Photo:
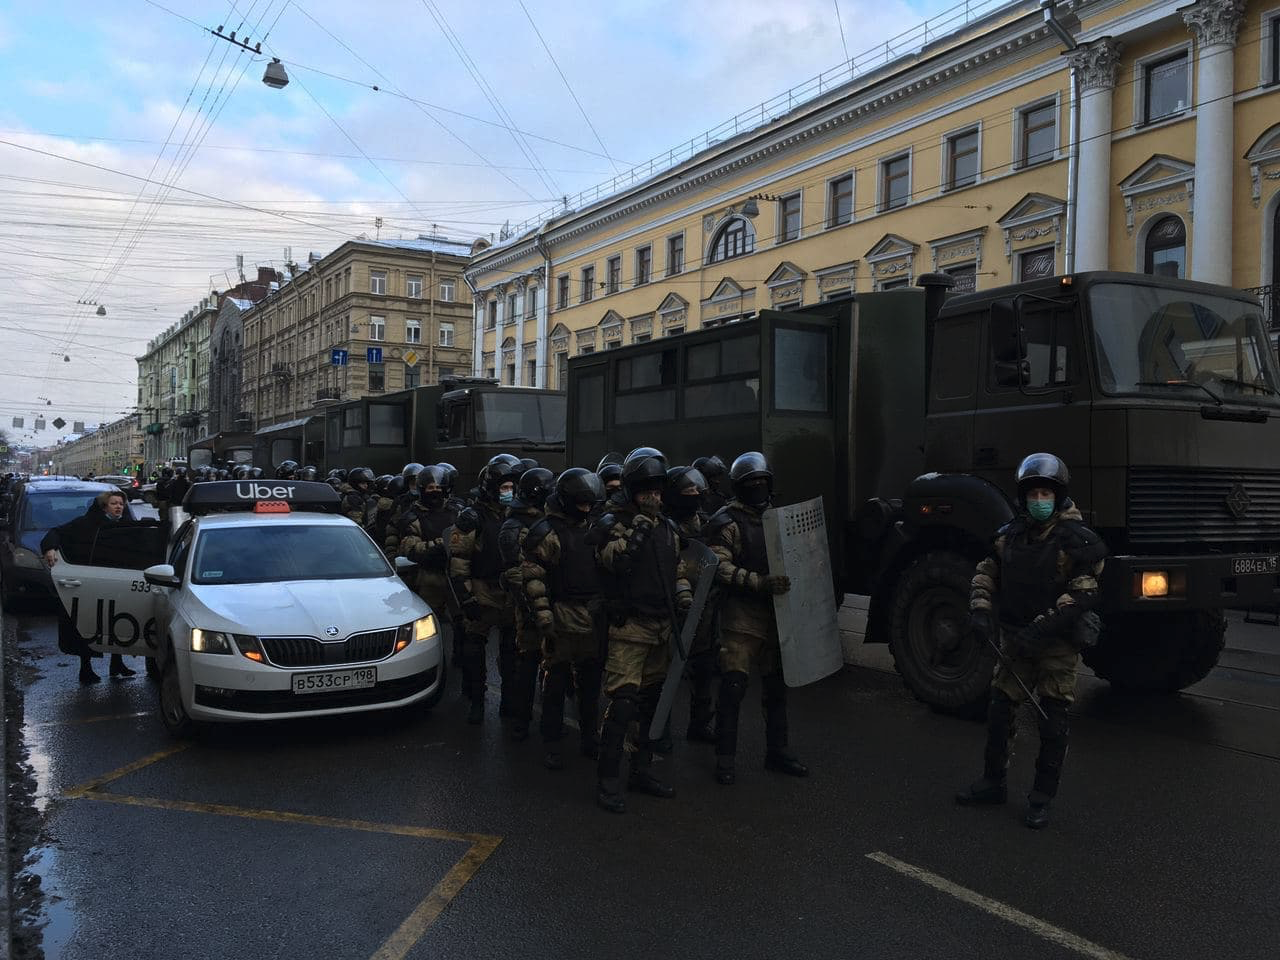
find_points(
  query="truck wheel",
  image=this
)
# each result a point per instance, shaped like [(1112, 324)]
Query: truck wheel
[(940, 662), (172, 712), (1158, 652)]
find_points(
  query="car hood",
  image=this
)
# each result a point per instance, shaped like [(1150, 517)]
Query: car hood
[(304, 608)]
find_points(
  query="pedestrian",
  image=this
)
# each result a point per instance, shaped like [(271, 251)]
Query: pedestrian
[(75, 541), (647, 590), (561, 585), (475, 565), (748, 625), (1033, 595)]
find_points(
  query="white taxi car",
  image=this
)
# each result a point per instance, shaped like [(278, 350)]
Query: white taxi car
[(267, 606)]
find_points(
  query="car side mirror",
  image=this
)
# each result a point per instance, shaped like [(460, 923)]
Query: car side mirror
[(404, 563), (162, 575), (1013, 373)]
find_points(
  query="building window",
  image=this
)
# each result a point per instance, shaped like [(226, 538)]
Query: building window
[(413, 287), (1273, 45), (511, 308), (562, 370), (443, 373), (895, 182), (1165, 87), (675, 255), (966, 278), (1034, 264), (673, 331), (377, 378), (962, 159), (1037, 133), (588, 283), (735, 239), (413, 330), (613, 274), (789, 218), (840, 201), (531, 302), (412, 377), (510, 375), (377, 328), (446, 334), (446, 291), (492, 321), (378, 282), (562, 292), (644, 265), (533, 374), (1166, 248)]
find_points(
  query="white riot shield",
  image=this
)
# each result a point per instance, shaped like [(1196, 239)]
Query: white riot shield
[(808, 626)]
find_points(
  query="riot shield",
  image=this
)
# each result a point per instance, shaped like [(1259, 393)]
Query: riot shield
[(808, 629), (697, 556)]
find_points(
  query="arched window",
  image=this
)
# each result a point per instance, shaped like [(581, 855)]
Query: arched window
[(1166, 248), (735, 238)]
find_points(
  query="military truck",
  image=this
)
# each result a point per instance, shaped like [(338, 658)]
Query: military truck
[(464, 421), (229, 448), (909, 410)]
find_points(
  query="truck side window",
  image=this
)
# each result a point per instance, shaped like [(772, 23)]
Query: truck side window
[(1049, 341), (954, 350), (723, 377), (456, 421), (591, 403), (801, 374)]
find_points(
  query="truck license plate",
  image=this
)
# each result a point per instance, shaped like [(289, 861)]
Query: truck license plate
[(359, 679), (1243, 566)]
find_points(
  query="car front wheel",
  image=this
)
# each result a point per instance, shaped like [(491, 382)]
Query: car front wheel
[(173, 714)]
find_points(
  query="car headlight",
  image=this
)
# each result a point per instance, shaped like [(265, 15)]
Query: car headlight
[(22, 557), (420, 631), (210, 641)]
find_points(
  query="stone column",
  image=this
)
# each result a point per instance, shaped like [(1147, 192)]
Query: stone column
[(544, 306), (522, 287), (1214, 24), (477, 333), (1095, 65)]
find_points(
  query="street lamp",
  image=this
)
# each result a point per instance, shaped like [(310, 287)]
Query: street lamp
[(274, 76), (751, 209)]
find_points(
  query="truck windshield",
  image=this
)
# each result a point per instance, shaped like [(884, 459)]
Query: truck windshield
[(252, 553), (200, 457), (1165, 342), (508, 415)]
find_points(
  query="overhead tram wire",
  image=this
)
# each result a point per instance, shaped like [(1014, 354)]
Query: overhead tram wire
[(840, 24), (582, 110)]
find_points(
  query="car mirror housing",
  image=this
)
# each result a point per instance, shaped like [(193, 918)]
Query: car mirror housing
[(162, 575), (404, 563)]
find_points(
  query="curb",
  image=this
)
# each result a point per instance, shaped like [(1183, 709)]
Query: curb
[(6, 911)]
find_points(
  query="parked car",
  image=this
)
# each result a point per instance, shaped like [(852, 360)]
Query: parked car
[(130, 485)]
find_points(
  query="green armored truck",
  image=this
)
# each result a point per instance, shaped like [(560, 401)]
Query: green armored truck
[(908, 411)]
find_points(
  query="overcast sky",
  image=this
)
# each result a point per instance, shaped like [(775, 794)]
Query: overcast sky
[(107, 84)]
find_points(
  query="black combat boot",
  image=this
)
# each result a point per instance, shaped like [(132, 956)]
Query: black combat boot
[(87, 676), (1054, 734), (733, 687), (508, 697), (609, 796), (586, 684), (613, 735), (778, 755), (524, 683), (992, 789), (554, 683), (642, 779), (118, 669), (701, 670)]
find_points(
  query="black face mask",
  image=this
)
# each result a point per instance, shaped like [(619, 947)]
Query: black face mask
[(682, 508), (756, 494), (433, 500)]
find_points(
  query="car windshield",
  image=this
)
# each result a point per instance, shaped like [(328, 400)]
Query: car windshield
[(48, 510), (1166, 342), (266, 553), (512, 415)]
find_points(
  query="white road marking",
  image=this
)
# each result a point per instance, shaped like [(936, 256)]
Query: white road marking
[(1040, 928)]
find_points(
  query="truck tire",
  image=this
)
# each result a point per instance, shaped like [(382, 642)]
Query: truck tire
[(939, 661), (1158, 652)]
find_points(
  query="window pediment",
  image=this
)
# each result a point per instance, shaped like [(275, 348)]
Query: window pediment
[(726, 289), (891, 246), (1162, 181), (786, 272), (672, 302), (1264, 160)]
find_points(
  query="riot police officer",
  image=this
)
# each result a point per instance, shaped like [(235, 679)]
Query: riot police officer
[(287, 470), (422, 541), (610, 475), (526, 509), (748, 626), (355, 502), (1034, 594), (562, 589), (475, 564), (682, 501), (647, 589), (714, 470)]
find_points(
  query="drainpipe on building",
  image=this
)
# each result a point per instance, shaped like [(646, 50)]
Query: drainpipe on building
[(1063, 32), (476, 342), (540, 350)]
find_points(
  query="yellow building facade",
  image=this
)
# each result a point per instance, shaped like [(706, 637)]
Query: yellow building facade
[(994, 153)]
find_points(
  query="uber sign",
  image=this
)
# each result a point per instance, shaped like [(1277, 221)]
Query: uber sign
[(260, 491)]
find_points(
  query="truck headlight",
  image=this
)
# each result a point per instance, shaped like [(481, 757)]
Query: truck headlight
[(210, 641), (420, 631), (1155, 583), (22, 557)]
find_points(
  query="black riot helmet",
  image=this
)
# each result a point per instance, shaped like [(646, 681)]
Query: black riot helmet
[(712, 468), (382, 485), (410, 472), (224, 474), (578, 486), (643, 473), (396, 487), (534, 486), (640, 453), (308, 472), (685, 489), (337, 473), (1043, 470), (256, 473), (287, 470), (335, 482), (240, 472), (504, 468), (610, 473), (528, 463), (752, 480), (361, 478), (612, 457), (433, 475), (450, 476)]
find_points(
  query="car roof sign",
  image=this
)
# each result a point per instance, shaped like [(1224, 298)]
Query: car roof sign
[(220, 496)]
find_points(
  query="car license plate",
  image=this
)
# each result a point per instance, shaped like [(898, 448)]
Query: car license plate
[(359, 679), (1243, 566)]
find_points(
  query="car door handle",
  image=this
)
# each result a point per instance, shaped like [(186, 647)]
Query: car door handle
[(68, 583)]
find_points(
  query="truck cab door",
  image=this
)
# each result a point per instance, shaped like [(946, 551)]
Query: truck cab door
[(107, 598), (1033, 393)]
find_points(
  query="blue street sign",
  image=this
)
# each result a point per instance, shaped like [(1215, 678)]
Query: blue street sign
[(373, 354), (339, 358)]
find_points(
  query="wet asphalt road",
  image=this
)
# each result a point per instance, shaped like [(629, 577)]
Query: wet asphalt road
[(423, 837)]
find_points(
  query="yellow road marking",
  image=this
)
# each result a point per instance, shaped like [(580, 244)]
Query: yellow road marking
[(128, 768), (398, 945), (84, 720)]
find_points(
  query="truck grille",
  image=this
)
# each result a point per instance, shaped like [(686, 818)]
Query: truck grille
[(310, 652), (1172, 507)]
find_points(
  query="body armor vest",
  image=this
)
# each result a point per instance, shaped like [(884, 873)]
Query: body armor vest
[(486, 562), (1029, 579), (751, 549), (650, 586), (576, 577)]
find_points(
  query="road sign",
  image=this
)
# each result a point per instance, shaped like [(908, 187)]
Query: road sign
[(17, 423), (373, 354), (339, 358), (59, 423), (77, 426), (39, 423), (411, 358), (4, 448)]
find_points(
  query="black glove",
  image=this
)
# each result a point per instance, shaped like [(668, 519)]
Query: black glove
[(471, 608), (981, 624), (1029, 641)]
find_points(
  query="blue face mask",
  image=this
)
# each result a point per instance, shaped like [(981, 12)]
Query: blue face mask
[(506, 496), (1041, 510)]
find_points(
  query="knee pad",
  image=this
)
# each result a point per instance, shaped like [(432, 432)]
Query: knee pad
[(733, 686), (1058, 724), (623, 708)]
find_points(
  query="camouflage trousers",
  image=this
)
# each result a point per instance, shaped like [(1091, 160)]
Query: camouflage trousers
[(739, 651), (1051, 673), (639, 654)]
